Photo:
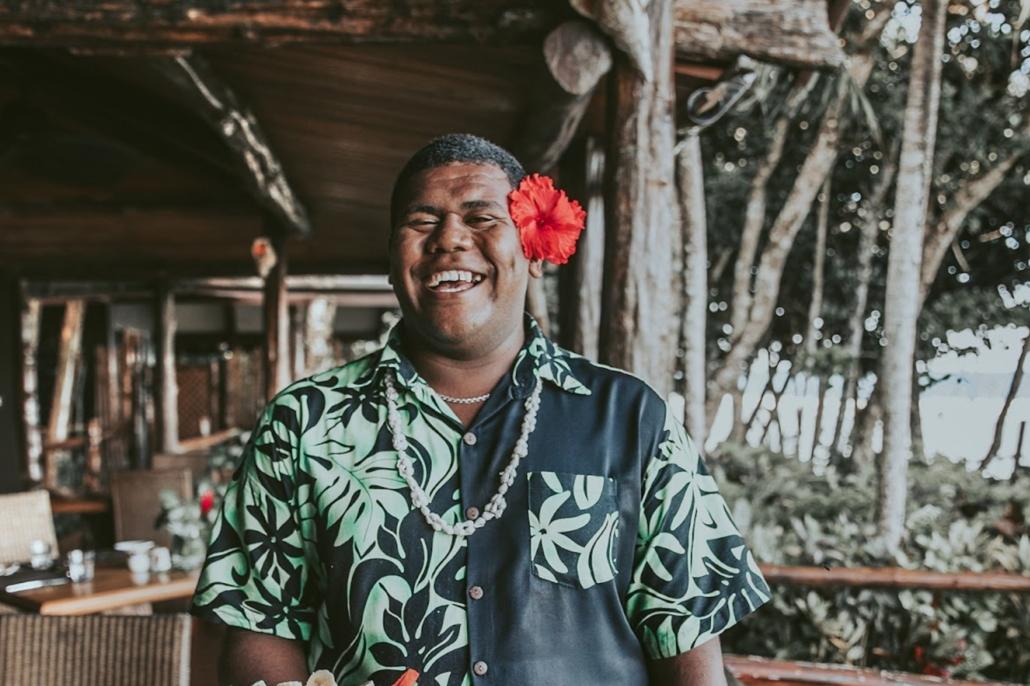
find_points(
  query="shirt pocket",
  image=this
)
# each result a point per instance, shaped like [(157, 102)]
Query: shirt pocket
[(573, 526)]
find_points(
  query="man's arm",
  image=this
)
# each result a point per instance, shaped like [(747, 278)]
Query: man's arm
[(701, 666), (248, 657)]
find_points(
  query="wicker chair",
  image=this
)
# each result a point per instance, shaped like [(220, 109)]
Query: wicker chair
[(135, 495), (95, 649), (25, 517)]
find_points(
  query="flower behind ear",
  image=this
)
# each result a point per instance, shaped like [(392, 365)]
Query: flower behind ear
[(549, 222)]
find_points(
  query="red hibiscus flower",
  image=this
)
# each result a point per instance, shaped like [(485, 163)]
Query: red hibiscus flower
[(549, 222), (207, 502)]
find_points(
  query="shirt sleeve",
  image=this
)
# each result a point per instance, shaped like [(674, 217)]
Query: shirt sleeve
[(693, 576), (260, 568)]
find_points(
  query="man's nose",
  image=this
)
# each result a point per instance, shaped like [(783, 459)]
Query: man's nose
[(451, 234)]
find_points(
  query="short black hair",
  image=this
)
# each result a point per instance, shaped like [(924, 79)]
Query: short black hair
[(454, 148)]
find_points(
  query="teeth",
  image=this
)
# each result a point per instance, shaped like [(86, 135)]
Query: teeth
[(453, 275)]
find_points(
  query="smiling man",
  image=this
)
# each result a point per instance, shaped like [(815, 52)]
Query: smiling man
[(473, 502)]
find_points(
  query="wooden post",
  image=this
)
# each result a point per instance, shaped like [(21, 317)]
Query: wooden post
[(298, 315), (277, 325), (581, 291), (318, 336), (30, 391), (641, 213), (68, 358), (168, 388)]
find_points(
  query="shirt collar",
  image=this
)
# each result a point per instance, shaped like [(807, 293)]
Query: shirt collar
[(539, 358)]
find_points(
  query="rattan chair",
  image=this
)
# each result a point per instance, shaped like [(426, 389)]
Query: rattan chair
[(95, 649), (25, 517), (135, 495)]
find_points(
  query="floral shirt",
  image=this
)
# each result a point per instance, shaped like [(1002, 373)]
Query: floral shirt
[(615, 546)]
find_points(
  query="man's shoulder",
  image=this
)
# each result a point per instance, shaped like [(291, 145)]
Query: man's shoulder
[(341, 378), (605, 379)]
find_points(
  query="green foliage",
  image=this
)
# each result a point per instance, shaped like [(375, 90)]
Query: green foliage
[(961, 522)]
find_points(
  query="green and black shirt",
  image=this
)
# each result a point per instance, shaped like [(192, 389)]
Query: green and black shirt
[(615, 546)]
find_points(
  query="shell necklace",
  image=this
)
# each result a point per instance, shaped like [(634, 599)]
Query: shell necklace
[(493, 509)]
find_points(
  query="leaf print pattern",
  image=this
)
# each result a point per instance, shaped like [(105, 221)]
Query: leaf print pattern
[(573, 522), (317, 540), (693, 576)]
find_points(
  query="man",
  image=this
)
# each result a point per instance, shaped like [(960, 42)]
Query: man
[(472, 502)]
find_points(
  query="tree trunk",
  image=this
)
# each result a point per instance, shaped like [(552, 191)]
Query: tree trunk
[(1017, 380), (754, 212), (901, 309), (942, 233), (856, 322), (589, 258), (815, 305), (695, 283), (816, 166), (638, 332)]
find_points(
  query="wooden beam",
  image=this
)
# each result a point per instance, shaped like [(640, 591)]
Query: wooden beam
[(892, 577), (168, 389), (68, 360), (112, 24), (793, 32), (577, 56), (259, 167), (641, 217), (277, 325)]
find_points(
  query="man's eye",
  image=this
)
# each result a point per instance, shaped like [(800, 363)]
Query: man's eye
[(482, 219)]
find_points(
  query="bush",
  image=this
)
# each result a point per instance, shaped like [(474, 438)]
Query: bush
[(958, 521)]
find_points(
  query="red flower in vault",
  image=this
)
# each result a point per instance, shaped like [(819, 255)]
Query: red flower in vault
[(549, 222)]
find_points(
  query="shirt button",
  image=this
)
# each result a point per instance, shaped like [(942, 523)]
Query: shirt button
[(480, 668), (472, 512), (476, 592), (469, 438)]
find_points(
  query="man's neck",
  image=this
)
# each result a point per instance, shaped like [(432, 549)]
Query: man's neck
[(462, 377)]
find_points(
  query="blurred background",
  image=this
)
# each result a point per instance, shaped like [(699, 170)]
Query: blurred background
[(808, 228)]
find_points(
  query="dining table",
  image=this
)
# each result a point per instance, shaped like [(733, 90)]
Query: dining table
[(109, 589)]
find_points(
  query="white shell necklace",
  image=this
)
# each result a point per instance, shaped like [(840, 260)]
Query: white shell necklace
[(470, 400), (493, 509)]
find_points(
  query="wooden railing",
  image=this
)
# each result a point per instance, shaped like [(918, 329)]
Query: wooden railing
[(893, 577)]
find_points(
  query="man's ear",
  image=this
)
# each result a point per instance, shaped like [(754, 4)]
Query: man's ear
[(536, 268)]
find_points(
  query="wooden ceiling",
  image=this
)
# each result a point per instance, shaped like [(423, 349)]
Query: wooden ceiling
[(103, 172), (106, 173)]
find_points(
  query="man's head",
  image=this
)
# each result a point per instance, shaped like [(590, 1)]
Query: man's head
[(456, 261)]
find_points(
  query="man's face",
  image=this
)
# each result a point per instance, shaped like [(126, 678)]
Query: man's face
[(456, 263)]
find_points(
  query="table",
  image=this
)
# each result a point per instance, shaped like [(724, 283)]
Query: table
[(110, 588)]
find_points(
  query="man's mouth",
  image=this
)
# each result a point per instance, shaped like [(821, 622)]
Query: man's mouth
[(452, 281)]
